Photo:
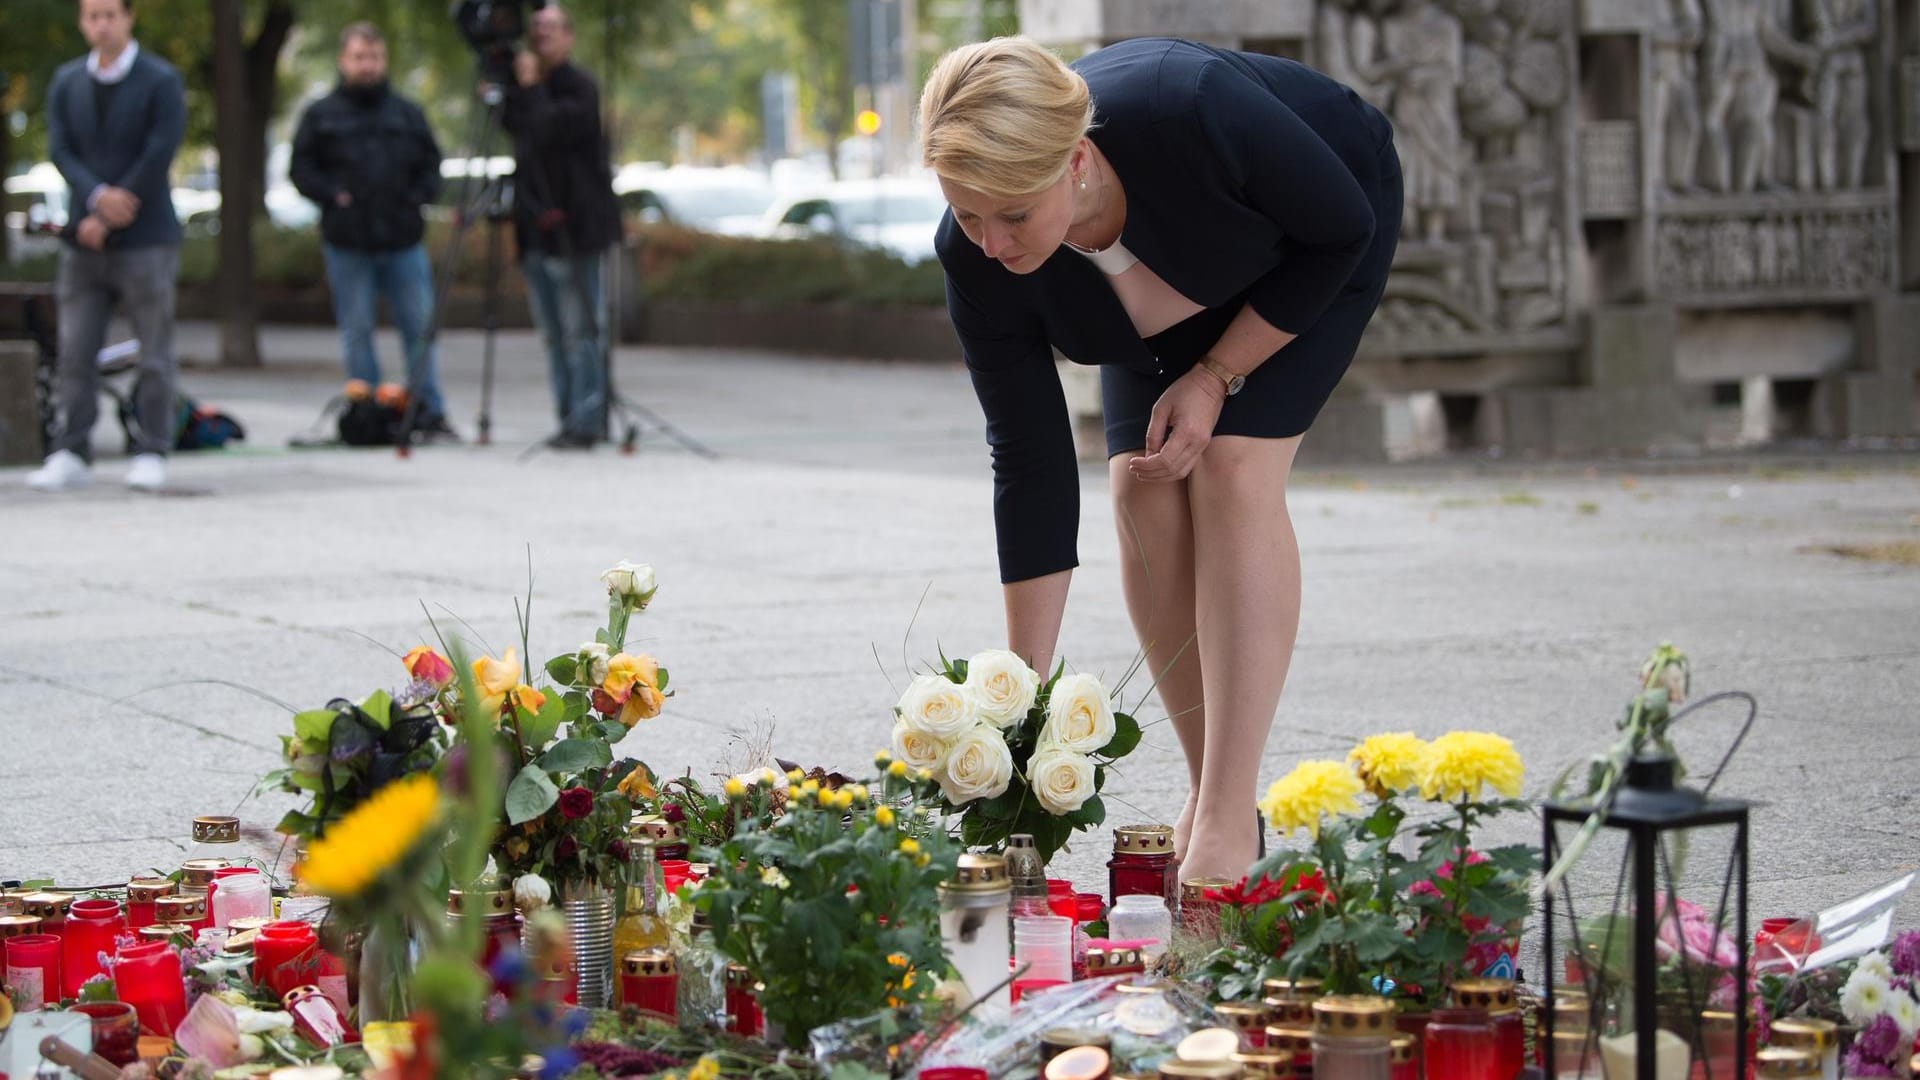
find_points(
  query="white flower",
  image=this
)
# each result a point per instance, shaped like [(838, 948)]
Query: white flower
[(1062, 780), (630, 581), (919, 749), (763, 776), (771, 875), (1079, 717), (1002, 687), (531, 893), (936, 706), (1905, 1012), (1877, 963), (979, 766), (591, 660), (1865, 997)]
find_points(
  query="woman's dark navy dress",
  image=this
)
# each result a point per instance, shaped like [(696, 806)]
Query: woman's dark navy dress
[(1249, 179)]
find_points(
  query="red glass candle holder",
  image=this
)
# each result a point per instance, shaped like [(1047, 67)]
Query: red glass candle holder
[(1023, 987), (285, 955), (182, 908), (1088, 907), (953, 1072), (116, 1030), (650, 982), (1459, 1044), (675, 873), (91, 926), (33, 969), (1405, 1059), (1142, 864), (147, 976), (743, 1008), (317, 1019), (141, 893)]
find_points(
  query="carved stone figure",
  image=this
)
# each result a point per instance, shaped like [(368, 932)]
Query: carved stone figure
[(1842, 30), (1423, 45), (1742, 92), (1676, 101)]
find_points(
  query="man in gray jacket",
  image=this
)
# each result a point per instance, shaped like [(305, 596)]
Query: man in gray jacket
[(114, 121)]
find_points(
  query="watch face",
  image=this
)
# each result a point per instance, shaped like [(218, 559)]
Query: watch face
[(1234, 384)]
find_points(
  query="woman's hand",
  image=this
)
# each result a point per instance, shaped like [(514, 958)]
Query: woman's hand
[(1180, 427)]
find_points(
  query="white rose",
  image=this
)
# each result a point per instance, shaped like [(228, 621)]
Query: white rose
[(979, 766), (1002, 687), (592, 662), (1062, 780), (919, 749), (630, 581), (531, 893), (936, 706), (1079, 716)]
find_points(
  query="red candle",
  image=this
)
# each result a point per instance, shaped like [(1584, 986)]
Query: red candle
[(1142, 864), (141, 893), (317, 1019), (1460, 1045), (285, 956), (1406, 1063), (147, 976), (743, 1009), (91, 926), (650, 982), (953, 1072), (183, 908), (116, 1030), (33, 969)]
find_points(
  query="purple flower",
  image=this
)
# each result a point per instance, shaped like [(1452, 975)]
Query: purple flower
[(1904, 954), (1859, 1065), (1878, 1040)]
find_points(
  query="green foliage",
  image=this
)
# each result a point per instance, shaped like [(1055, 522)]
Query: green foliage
[(337, 757), (830, 910), (685, 265)]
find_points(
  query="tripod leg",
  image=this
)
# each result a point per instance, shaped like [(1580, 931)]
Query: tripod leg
[(485, 423)]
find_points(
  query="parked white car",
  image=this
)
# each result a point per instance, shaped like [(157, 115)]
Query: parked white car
[(731, 201), (895, 214)]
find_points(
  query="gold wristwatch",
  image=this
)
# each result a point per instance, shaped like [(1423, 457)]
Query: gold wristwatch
[(1219, 371)]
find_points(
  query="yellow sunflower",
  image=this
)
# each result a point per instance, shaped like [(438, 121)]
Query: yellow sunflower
[(1460, 764), (373, 838), (1312, 791), (1389, 764)]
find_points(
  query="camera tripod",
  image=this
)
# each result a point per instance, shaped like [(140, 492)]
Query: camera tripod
[(494, 202)]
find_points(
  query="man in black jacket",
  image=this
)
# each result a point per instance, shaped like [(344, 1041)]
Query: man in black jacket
[(565, 217), (367, 157)]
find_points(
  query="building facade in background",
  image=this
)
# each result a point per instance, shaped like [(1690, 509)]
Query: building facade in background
[(1631, 224)]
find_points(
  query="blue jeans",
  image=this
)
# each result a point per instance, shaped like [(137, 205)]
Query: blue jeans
[(405, 277), (564, 292)]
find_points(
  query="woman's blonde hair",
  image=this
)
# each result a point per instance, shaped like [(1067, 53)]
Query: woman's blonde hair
[(1002, 117)]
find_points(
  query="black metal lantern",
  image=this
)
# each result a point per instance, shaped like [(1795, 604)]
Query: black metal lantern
[(1646, 983)]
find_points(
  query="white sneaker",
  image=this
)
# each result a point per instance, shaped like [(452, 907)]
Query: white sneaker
[(148, 473), (62, 470)]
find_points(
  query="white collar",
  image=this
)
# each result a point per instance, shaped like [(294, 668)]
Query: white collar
[(120, 67)]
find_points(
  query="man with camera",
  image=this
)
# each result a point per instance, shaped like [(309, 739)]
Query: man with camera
[(565, 217), (366, 156)]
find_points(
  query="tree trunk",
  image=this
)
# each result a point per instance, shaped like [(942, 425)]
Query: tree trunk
[(6, 170), (233, 119), (262, 64)]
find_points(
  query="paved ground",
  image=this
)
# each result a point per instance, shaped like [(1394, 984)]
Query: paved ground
[(849, 495)]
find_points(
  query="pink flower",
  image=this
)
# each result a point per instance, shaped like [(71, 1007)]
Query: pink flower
[(1695, 938), (428, 666)]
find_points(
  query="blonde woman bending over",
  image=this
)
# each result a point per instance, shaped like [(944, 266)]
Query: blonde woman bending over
[(1214, 230)]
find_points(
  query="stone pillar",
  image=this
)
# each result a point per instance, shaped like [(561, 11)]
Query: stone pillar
[(19, 404)]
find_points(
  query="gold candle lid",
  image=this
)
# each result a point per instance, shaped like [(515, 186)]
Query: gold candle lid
[(1779, 1062), (50, 906), (1246, 1015), (1803, 1034), (1101, 961), (198, 873), (216, 829), (489, 902), (655, 828), (1209, 1044), (12, 903), (1403, 1049), (186, 907), (1066, 1038), (1143, 840), (1493, 995), (648, 962), (166, 931), (1265, 1065), (739, 978), (979, 874), (12, 926), (1290, 1037), (1353, 1016), (145, 890), (1201, 1070), (1307, 987), (250, 922), (1292, 1011), (1195, 890)]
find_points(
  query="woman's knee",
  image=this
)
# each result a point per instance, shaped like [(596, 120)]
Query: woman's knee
[(1239, 466)]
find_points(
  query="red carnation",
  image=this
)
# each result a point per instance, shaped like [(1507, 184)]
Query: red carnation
[(576, 803), (618, 849), (567, 848), (674, 813)]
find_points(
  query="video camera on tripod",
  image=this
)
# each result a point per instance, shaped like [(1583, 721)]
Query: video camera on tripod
[(492, 29)]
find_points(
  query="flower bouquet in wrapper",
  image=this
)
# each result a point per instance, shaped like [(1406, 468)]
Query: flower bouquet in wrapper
[(1012, 753)]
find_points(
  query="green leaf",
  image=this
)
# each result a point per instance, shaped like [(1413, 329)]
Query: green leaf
[(661, 685), (563, 669), (379, 708), (295, 823), (1091, 813), (573, 755), (1126, 736), (531, 794), (537, 730), (612, 730), (1374, 937), (313, 726)]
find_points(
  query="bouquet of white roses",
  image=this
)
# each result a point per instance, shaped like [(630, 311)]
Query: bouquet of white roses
[(1011, 753)]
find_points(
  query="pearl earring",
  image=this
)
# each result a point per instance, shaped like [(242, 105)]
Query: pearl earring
[(1083, 182)]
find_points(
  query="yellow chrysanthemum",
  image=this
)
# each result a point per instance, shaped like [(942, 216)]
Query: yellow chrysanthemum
[(882, 759), (734, 788), (1390, 764), (883, 817), (909, 846), (808, 787), (1462, 763), (371, 839), (897, 770), (707, 1068), (1312, 791)]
